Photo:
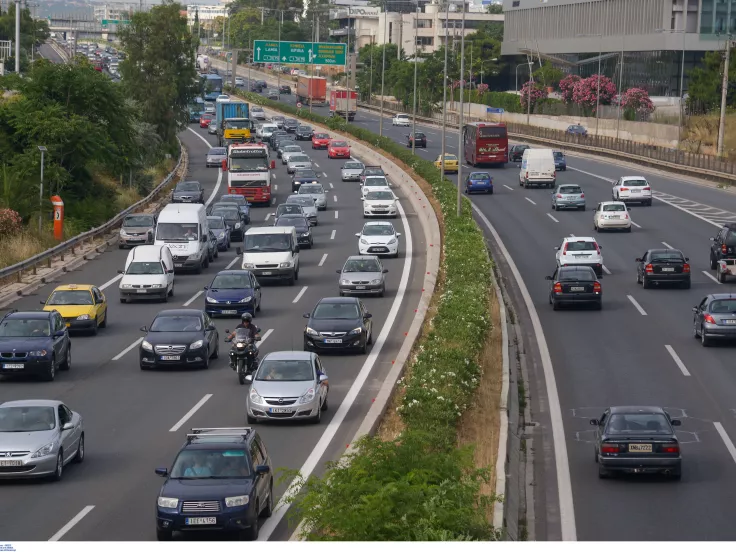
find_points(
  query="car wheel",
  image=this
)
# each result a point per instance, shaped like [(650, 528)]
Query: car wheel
[(364, 348), (595, 227), (95, 328), (268, 508), (51, 372), (251, 533), (704, 339), (67, 360), (638, 278), (79, 457), (603, 472), (103, 324), (696, 335), (292, 279), (713, 262), (490, 192), (686, 284), (318, 418), (164, 535), (628, 230), (216, 354), (123, 300), (599, 305), (581, 208), (324, 405), (722, 277), (555, 305)]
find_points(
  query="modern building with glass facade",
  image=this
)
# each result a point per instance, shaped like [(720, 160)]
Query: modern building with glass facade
[(643, 41)]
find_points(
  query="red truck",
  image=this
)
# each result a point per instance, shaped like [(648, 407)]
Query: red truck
[(339, 103), (311, 90)]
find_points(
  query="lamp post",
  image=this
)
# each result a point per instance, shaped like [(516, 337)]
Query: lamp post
[(278, 74), (444, 91), (460, 126), (347, 74), (414, 118), (383, 68), (43, 150), (724, 97), (620, 86)]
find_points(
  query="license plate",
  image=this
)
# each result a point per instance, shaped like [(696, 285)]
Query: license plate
[(333, 340), (13, 366), (178, 265), (577, 289), (140, 291), (379, 249), (640, 448), (668, 270), (279, 410), (230, 312), (269, 273), (201, 521), (135, 239), (171, 357), (729, 321), (359, 287), (10, 463), (635, 191)]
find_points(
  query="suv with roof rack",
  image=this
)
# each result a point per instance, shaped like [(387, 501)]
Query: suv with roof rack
[(221, 480), (724, 245)]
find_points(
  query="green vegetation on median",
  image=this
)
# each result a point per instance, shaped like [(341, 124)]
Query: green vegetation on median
[(420, 486)]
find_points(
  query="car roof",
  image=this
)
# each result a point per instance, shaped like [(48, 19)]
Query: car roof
[(31, 402), (290, 355), (613, 203), (633, 178), (379, 223), (269, 230), (232, 196), (718, 296), (637, 410), (380, 189), (661, 250), (180, 312), (334, 300), (233, 271), (32, 315), (579, 239), (72, 287)]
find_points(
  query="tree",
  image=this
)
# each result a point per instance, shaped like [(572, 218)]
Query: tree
[(363, 77), (534, 91), (636, 101), (705, 82), (32, 31), (548, 75), (585, 92), (159, 71), (567, 87), (494, 8)]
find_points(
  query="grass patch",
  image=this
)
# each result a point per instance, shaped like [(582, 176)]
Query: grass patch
[(700, 135)]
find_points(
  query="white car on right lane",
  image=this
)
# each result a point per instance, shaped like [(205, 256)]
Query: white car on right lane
[(378, 238), (373, 183), (612, 215), (380, 202), (401, 119), (579, 251), (632, 189)]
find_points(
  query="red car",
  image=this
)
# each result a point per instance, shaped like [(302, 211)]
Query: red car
[(320, 140), (205, 120), (338, 149)]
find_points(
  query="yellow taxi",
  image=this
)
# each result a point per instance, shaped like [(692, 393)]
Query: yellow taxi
[(451, 162), (83, 306)]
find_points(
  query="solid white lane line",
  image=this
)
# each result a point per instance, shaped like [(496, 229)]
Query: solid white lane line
[(264, 337), (323, 259), (508, 187), (332, 235), (268, 216), (198, 135), (128, 349), (680, 364), (213, 195), (668, 246), (191, 413), (726, 439), (553, 218), (110, 282), (299, 295), (637, 305), (331, 186), (76, 519), (335, 214), (634, 224), (709, 275), (231, 263), (530, 201), (194, 298), (335, 198), (605, 269)]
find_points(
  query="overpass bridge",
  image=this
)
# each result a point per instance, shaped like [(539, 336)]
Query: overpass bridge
[(84, 27)]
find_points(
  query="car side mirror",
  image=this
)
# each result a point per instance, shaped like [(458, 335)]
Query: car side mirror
[(548, 278), (339, 271), (628, 208), (206, 287), (60, 333), (368, 315), (638, 259), (204, 238), (144, 328), (687, 259), (170, 271), (306, 315), (223, 165), (594, 422), (296, 249), (357, 234), (249, 378), (271, 214), (238, 250), (263, 469), (695, 309), (600, 246), (162, 472), (385, 270), (43, 302), (676, 422), (67, 426), (322, 378), (121, 272), (211, 327)]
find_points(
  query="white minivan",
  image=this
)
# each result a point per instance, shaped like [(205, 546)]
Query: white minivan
[(148, 274), (271, 253), (538, 168), (183, 228)]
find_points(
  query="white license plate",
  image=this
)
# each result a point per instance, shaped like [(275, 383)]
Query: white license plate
[(178, 265), (140, 291), (13, 366), (201, 521), (269, 273), (729, 321), (668, 270), (635, 191), (279, 410), (379, 249), (10, 463), (359, 287), (171, 357), (577, 289), (333, 340), (534, 174), (230, 312), (640, 448)]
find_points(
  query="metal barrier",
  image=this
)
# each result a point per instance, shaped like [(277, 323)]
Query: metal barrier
[(77, 241)]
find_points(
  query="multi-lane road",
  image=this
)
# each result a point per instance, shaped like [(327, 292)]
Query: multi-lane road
[(638, 350), (136, 421)]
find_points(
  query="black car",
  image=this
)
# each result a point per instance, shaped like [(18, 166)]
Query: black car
[(233, 218), (240, 201), (221, 480), (287, 209), (278, 120), (303, 176), (34, 343), (278, 137), (338, 324), (304, 132), (575, 285), (715, 318), (179, 337), (272, 94), (724, 245), (255, 87), (516, 152), (190, 191), (290, 125), (663, 266), (285, 89), (303, 229), (560, 161), (419, 138), (637, 439)]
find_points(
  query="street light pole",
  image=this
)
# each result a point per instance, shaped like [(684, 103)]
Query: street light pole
[(383, 68), (620, 85), (724, 97), (17, 37), (43, 150), (460, 127), (278, 74), (347, 74), (682, 82), (414, 118), (444, 91), (598, 93)]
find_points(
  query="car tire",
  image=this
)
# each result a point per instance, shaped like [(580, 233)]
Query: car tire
[(267, 511), (364, 348), (676, 475), (251, 534), (292, 279), (123, 300), (216, 354), (251, 419), (206, 365), (599, 305), (581, 208), (103, 324), (645, 283), (59, 471), (704, 339), (490, 192), (95, 328), (555, 305), (324, 405), (79, 457), (628, 230), (686, 284), (722, 277), (163, 535), (603, 473), (713, 262), (67, 364)]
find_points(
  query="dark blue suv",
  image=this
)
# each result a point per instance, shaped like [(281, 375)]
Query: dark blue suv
[(221, 480), (34, 343)]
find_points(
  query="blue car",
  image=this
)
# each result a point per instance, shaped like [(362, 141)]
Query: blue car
[(221, 230), (233, 293), (211, 96), (221, 481), (560, 161), (479, 182)]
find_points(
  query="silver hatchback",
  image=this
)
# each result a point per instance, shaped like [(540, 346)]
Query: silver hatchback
[(317, 193), (362, 275), (352, 170), (568, 196), (216, 156), (308, 206), (298, 161)]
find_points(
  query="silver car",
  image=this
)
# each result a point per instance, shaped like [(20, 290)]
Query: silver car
[(212, 128), (216, 156), (298, 161), (568, 196), (352, 170), (287, 385), (288, 149), (137, 229), (317, 193), (278, 120), (362, 275), (308, 206), (38, 438), (257, 113)]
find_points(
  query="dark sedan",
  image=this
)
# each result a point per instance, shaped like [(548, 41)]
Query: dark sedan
[(419, 138), (304, 132), (188, 192), (179, 337), (276, 136), (285, 89), (303, 229), (232, 293), (338, 324), (637, 439), (303, 176), (560, 161), (290, 125), (233, 218), (663, 266), (240, 201), (516, 152), (575, 285), (715, 318)]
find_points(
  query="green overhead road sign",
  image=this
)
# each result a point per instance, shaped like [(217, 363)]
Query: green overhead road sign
[(299, 53), (106, 22)]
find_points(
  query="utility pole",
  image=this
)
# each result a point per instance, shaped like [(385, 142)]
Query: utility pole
[(460, 126), (278, 74), (347, 73), (724, 97), (17, 37), (416, 52), (383, 68), (444, 91), (620, 84)]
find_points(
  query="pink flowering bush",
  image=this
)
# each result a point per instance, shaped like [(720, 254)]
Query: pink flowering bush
[(11, 223), (567, 86), (637, 100), (537, 93), (585, 92), (482, 88)]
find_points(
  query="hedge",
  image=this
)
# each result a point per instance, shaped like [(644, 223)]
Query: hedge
[(420, 486)]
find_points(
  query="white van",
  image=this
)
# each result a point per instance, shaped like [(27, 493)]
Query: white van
[(538, 168), (271, 253), (149, 273), (183, 228)]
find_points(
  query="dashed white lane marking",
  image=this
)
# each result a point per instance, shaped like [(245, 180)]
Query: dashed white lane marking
[(264, 337), (191, 413), (322, 260), (231, 263), (572, 235), (709, 275), (335, 198), (634, 224), (726, 439), (335, 214), (331, 186), (128, 349), (194, 298), (268, 216), (680, 364), (553, 218), (110, 282), (668, 246), (637, 306), (68, 527), (530, 201), (332, 235), (508, 187), (299, 295), (605, 269), (316, 165)]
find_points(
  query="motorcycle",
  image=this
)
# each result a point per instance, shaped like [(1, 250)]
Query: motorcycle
[(243, 354)]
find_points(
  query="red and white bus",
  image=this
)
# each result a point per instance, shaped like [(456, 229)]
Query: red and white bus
[(249, 172), (486, 143)]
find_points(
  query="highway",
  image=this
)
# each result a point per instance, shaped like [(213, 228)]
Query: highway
[(45, 50), (638, 350), (136, 421)]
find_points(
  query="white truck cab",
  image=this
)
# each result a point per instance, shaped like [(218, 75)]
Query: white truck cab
[(149, 273), (183, 228), (271, 253)]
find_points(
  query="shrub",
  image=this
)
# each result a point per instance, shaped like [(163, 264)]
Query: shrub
[(585, 92), (567, 85), (533, 90), (11, 223), (638, 101)]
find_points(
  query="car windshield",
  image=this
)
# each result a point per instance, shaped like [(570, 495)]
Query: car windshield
[(231, 281), (723, 306), (665, 256), (339, 144), (285, 370), (570, 190), (291, 208), (300, 223), (375, 181), (304, 129), (450, 157), (228, 214), (321, 136), (237, 124), (614, 207), (175, 323), (211, 464), (581, 246), (558, 154), (291, 122), (378, 230), (267, 242), (353, 166), (298, 159), (138, 221), (335, 311), (304, 201), (638, 423), (145, 268), (311, 189), (291, 149), (576, 275), (177, 231), (635, 183), (217, 151), (21, 419), (361, 265), (187, 187), (479, 176), (382, 196), (256, 109), (238, 200), (71, 297), (19, 327)]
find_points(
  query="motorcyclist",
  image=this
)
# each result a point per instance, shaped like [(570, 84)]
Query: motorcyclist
[(252, 330)]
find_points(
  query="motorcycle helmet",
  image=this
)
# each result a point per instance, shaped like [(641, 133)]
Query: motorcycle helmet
[(247, 317)]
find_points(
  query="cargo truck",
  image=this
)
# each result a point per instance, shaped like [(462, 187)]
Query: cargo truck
[(339, 103), (232, 118), (311, 90)]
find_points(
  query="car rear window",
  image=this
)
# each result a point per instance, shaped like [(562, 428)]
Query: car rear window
[(638, 423), (581, 246), (637, 183), (614, 207), (666, 256), (723, 306), (577, 274), (731, 238), (570, 190)]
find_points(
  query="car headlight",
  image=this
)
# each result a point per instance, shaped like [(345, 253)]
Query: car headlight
[(233, 501), (364, 242), (156, 286), (164, 502), (146, 346), (248, 265), (287, 264), (344, 282), (83, 317), (44, 451), (356, 331), (376, 282), (246, 299), (211, 300), (392, 241), (255, 398), (195, 256), (307, 397), (237, 225), (305, 235), (40, 353), (123, 232), (197, 344), (310, 331)]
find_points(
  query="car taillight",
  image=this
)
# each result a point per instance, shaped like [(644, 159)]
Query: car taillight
[(597, 287), (649, 268), (647, 189), (671, 449), (582, 196), (554, 174), (564, 250), (598, 249), (686, 268), (559, 195), (557, 288), (626, 216), (624, 189), (609, 449), (709, 319), (527, 174), (724, 249)]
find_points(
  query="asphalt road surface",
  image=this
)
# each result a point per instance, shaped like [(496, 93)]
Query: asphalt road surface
[(45, 50), (638, 350), (136, 421)]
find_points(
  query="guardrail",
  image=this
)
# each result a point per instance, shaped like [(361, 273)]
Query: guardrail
[(78, 241), (61, 52)]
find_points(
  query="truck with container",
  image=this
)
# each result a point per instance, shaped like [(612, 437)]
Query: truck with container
[(340, 104), (311, 90), (249, 172), (232, 118)]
